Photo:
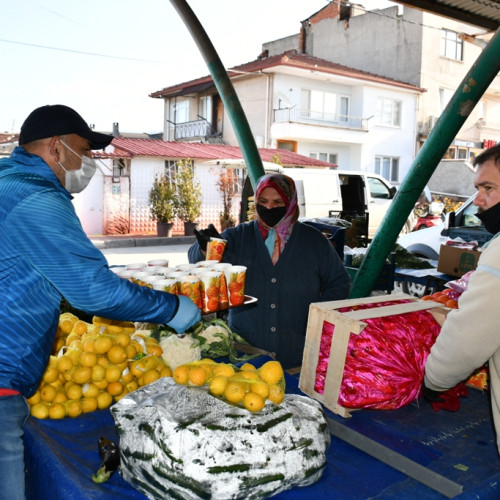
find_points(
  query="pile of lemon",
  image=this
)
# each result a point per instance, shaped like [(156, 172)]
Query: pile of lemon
[(93, 365), (246, 386)]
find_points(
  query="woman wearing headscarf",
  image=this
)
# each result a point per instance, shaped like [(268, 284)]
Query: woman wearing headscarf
[(289, 266)]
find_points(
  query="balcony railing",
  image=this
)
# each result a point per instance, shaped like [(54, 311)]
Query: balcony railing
[(189, 130), (295, 115)]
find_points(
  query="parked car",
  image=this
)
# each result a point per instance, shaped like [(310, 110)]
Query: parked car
[(426, 243)]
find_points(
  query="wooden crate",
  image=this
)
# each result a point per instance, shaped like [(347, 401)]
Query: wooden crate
[(347, 324)]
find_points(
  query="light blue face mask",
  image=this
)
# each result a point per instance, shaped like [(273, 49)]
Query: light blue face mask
[(76, 181)]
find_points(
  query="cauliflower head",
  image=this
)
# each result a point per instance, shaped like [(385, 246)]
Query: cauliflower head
[(180, 349)]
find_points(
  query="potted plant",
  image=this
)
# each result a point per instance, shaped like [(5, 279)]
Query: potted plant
[(189, 196), (226, 182), (163, 205)]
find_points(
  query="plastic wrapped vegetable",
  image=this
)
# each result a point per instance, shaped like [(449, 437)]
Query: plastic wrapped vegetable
[(180, 349)]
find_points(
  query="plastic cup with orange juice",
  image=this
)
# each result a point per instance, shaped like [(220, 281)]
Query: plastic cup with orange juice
[(215, 249)]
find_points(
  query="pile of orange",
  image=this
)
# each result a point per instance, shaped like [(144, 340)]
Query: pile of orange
[(248, 387), (447, 297), (94, 365)]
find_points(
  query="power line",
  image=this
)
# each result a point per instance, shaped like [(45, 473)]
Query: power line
[(80, 52)]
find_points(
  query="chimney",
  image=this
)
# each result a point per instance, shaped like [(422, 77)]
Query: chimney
[(116, 130)]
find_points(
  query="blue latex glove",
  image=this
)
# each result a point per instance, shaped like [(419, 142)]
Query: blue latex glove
[(187, 315)]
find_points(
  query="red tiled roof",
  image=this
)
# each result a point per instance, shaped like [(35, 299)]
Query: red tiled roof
[(291, 59), (130, 148)]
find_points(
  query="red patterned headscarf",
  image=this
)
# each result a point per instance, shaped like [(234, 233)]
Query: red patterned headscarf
[(285, 186)]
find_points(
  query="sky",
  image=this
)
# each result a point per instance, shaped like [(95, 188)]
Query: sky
[(104, 57)]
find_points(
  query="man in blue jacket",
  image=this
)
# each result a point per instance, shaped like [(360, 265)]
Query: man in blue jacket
[(45, 256)]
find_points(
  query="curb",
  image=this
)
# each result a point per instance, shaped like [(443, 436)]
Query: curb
[(104, 243)]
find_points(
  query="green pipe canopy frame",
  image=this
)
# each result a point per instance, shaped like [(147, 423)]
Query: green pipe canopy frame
[(226, 90)]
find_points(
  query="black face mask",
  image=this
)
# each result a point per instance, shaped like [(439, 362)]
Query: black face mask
[(271, 216), (491, 218)]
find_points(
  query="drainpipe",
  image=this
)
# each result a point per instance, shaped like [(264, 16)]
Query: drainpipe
[(226, 90), (472, 87)]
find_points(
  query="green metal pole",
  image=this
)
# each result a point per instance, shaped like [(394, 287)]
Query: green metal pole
[(473, 86), (226, 91)]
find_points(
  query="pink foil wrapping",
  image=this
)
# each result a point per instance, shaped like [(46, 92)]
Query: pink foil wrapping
[(385, 363)]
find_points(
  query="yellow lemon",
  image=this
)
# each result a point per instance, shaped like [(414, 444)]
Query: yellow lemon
[(102, 360), (116, 354), (57, 411), (72, 337), (98, 373), (276, 394), (132, 385), (40, 410), (90, 390), (104, 399), (89, 404), (51, 374), (123, 339), (218, 385), (260, 388), (101, 384), (73, 391), (80, 327), (249, 375), (247, 367), (64, 363), (253, 402), (223, 369), (88, 358), (88, 344), (235, 391), (60, 397), (127, 376), (197, 375), (113, 373), (73, 408), (271, 372), (154, 349), (130, 350), (166, 371), (48, 393), (66, 325), (150, 376), (34, 399), (102, 344), (82, 374)]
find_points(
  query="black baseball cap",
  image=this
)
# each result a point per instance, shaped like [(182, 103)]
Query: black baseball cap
[(57, 119)]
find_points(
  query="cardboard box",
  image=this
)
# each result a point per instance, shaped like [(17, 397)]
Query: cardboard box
[(456, 261), (347, 324)]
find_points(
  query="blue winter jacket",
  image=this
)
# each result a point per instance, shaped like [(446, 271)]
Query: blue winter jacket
[(44, 256), (309, 270)]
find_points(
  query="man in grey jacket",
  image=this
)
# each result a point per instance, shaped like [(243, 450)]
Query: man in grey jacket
[(470, 335)]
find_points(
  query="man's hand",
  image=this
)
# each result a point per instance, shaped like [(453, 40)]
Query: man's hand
[(203, 236), (186, 316)]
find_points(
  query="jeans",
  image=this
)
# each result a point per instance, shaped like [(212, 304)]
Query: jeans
[(14, 412)]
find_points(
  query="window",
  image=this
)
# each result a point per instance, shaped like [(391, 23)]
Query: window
[(388, 112), (329, 157), (181, 112), (206, 108), (378, 189), (170, 170), (324, 106), (387, 167), (288, 145), (451, 45)]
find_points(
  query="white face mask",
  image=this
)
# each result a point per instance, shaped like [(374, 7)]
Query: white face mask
[(76, 181)]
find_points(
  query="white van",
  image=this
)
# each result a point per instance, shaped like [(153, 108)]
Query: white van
[(336, 193)]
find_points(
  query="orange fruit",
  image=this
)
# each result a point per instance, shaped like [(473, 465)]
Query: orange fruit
[(80, 327), (253, 401), (197, 375), (451, 303), (116, 354), (427, 297), (235, 391), (115, 388), (271, 372), (181, 374)]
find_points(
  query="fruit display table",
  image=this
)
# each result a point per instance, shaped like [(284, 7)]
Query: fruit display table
[(457, 449)]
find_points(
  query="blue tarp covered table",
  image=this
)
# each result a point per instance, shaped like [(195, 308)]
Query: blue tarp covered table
[(61, 455)]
